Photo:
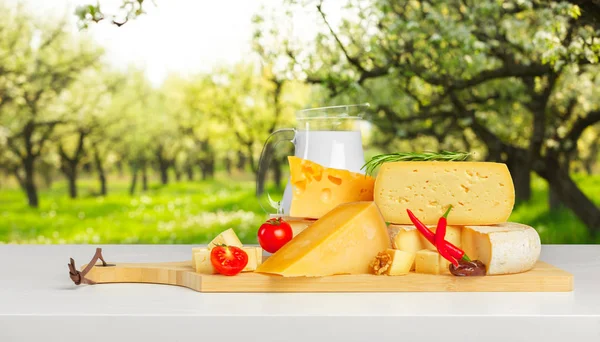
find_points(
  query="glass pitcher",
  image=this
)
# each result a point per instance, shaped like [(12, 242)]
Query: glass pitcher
[(329, 136)]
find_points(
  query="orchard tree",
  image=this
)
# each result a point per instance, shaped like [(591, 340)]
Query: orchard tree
[(39, 61)]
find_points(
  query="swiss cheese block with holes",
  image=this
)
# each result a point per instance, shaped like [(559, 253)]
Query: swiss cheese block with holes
[(480, 193), (504, 248), (317, 189), (344, 241)]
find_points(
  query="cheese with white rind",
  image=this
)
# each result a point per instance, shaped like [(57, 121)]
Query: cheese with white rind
[(504, 249), (481, 193)]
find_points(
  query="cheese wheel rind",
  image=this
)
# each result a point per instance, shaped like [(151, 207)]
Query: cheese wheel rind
[(504, 248)]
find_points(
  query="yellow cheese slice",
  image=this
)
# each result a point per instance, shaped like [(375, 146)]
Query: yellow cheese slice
[(505, 248), (480, 193), (316, 189), (297, 224), (344, 241)]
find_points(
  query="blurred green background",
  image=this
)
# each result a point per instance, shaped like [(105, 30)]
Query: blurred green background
[(92, 152)]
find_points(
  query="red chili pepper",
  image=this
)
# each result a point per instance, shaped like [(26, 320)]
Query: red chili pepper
[(440, 235), (430, 236)]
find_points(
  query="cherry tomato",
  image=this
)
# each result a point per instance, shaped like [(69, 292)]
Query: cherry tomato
[(273, 234), (228, 260)]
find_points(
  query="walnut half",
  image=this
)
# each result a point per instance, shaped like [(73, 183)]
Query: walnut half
[(381, 263)]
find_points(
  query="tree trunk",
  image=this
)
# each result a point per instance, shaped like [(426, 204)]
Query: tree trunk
[(101, 173), (177, 174), (133, 182), (241, 164), (29, 183), (227, 162), (569, 193), (72, 178), (518, 166), (164, 175), (189, 172), (144, 177)]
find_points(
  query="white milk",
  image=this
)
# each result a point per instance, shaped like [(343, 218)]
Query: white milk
[(335, 149)]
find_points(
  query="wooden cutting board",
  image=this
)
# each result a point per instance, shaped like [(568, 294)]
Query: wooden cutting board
[(543, 278)]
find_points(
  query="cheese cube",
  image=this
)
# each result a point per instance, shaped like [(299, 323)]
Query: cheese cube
[(504, 249), (252, 260), (202, 262), (194, 251), (427, 261), (453, 234), (316, 189), (431, 262), (343, 241), (227, 237), (480, 193), (402, 262)]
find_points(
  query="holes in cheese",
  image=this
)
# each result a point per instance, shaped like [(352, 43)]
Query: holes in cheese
[(481, 193), (317, 189), (344, 241), (505, 248)]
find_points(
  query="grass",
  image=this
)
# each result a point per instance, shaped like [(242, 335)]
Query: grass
[(194, 212)]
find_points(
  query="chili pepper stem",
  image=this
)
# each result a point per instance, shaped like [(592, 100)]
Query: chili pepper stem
[(466, 258), (447, 212)]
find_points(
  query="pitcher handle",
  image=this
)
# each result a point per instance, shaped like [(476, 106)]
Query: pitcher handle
[(268, 151)]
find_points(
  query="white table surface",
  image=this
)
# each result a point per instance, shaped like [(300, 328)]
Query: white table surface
[(38, 302)]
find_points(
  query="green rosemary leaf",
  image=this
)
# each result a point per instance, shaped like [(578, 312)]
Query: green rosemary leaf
[(376, 161)]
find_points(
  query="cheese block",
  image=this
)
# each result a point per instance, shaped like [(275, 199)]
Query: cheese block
[(227, 237), (405, 238), (316, 189), (201, 261), (402, 262), (481, 193), (252, 258), (453, 234), (430, 262), (505, 248), (344, 241)]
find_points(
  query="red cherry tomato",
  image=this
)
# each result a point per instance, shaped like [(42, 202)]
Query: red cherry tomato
[(273, 234), (228, 260)]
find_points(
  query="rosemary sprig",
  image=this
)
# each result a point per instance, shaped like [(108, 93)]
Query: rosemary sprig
[(376, 161)]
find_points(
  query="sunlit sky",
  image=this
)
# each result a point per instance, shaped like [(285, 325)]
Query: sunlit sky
[(182, 36)]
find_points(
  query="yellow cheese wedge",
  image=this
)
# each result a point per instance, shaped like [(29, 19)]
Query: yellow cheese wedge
[(504, 249), (227, 237), (402, 262), (316, 189), (480, 193), (344, 241)]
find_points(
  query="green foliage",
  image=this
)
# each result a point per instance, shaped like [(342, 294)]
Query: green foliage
[(193, 213)]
